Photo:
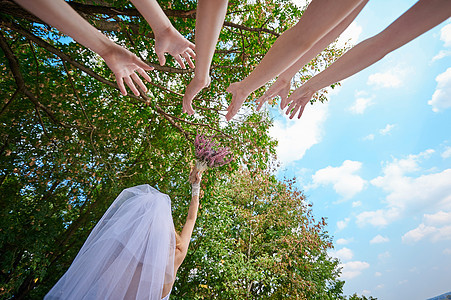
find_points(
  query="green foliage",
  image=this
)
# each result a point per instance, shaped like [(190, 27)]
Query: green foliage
[(357, 297), (69, 143), (256, 239)]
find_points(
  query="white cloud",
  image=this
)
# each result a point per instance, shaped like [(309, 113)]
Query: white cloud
[(342, 254), (391, 78), (369, 137), (353, 269), (361, 104), (378, 274), (356, 203), (380, 286), (343, 224), (441, 54), (387, 129), (384, 256), (380, 217), (433, 233), (446, 153), (350, 35), (447, 251), (441, 99), (438, 219), (298, 135), (435, 227), (384, 131), (344, 181), (343, 241), (378, 239), (406, 193), (445, 35)]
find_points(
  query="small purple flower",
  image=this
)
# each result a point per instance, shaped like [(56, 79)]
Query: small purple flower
[(207, 155)]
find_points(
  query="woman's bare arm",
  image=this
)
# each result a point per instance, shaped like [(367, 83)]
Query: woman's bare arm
[(187, 231), (282, 85), (421, 17)]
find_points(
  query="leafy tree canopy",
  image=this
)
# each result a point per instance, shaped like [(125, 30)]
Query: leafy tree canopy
[(69, 143)]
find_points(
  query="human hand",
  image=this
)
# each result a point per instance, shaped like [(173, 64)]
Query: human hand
[(298, 100), (124, 65), (195, 176), (279, 88), (193, 88), (238, 97), (172, 42)]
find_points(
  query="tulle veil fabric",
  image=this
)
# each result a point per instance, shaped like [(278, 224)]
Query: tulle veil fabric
[(129, 253)]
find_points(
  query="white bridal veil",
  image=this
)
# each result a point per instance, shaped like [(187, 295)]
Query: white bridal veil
[(129, 253)]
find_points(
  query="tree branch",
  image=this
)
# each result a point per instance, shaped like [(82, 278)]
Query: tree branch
[(15, 69)]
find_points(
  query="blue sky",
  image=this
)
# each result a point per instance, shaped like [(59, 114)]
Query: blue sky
[(376, 162)]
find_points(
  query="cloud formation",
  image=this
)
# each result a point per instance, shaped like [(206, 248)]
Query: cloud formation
[(378, 239), (343, 179), (353, 269), (343, 224), (298, 135), (435, 227), (408, 193), (391, 78), (342, 254), (440, 99), (361, 104), (388, 128)]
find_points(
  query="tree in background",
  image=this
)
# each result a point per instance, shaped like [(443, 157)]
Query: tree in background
[(69, 142), (257, 239)]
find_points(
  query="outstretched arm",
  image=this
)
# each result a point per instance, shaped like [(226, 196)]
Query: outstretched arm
[(210, 16), (187, 231), (320, 17), (282, 85), (423, 16), (167, 38), (122, 62)]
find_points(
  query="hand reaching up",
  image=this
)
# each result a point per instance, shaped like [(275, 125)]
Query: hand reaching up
[(298, 100), (124, 65), (194, 87), (279, 88), (172, 42), (195, 176), (238, 98)]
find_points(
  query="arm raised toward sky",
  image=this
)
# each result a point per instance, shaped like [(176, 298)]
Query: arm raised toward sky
[(283, 83), (122, 62), (209, 19), (423, 16), (320, 17), (167, 38)]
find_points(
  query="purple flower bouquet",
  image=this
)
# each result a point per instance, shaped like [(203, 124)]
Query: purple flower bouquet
[(208, 155)]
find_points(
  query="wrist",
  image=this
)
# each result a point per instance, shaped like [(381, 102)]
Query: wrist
[(163, 30), (105, 48), (195, 189)]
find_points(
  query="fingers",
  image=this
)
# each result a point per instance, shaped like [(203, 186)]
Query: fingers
[(283, 103), (188, 59), (144, 74), (161, 58), (121, 86), (143, 65), (301, 111), (191, 46), (191, 53), (138, 81), (260, 102), (232, 109), (130, 84), (179, 59)]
